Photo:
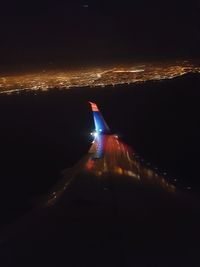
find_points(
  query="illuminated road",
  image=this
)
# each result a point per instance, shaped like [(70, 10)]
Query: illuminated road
[(109, 210)]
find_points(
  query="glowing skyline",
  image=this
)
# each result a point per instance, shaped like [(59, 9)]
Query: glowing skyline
[(94, 77)]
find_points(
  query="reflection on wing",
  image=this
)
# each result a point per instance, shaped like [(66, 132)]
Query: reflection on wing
[(110, 157)]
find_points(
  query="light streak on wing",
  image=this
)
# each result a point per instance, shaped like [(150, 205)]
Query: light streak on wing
[(128, 157)]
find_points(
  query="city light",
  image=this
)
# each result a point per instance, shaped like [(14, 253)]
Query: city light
[(93, 77)]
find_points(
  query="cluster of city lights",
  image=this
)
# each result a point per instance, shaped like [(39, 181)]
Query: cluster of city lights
[(93, 77)]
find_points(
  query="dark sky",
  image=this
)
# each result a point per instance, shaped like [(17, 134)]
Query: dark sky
[(35, 32)]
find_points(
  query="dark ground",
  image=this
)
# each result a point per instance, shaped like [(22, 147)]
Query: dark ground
[(45, 133), (125, 225)]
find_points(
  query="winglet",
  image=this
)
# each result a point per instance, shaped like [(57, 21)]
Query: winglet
[(94, 107), (101, 126)]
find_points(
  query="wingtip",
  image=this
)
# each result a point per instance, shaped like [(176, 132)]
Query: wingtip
[(93, 106)]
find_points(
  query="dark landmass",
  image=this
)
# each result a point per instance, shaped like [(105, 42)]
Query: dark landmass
[(107, 222)]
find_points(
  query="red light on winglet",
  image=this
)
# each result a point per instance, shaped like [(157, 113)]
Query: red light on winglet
[(94, 106)]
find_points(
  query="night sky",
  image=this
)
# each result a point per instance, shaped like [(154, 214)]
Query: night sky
[(97, 32)]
